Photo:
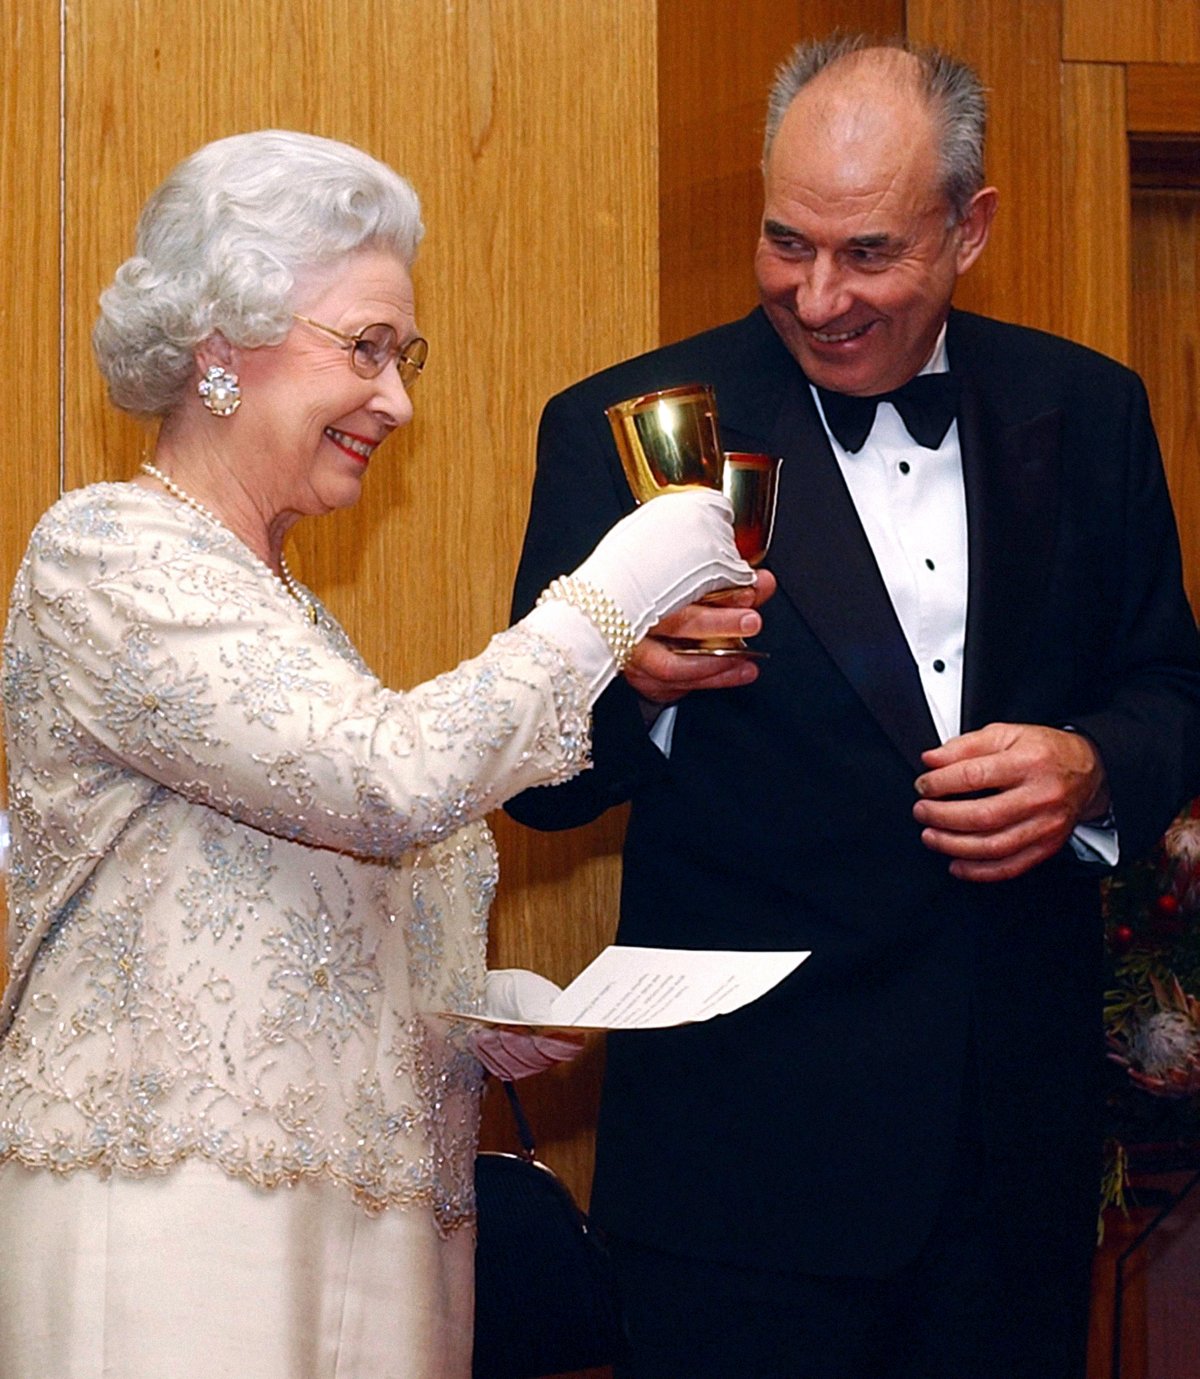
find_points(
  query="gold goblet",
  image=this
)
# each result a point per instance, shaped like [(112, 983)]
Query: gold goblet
[(668, 440), (751, 483)]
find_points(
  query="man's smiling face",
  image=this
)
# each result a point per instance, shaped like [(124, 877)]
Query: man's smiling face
[(859, 252)]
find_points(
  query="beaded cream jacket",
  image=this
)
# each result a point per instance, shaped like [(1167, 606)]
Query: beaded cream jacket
[(245, 875)]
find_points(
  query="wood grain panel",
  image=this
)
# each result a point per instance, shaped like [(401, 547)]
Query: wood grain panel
[(1014, 46), (1166, 347), (1119, 1232), (538, 178), (29, 308), (716, 64), (1163, 99), (1094, 251), (1131, 31)]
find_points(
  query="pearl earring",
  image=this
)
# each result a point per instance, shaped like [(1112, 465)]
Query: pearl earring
[(220, 392)]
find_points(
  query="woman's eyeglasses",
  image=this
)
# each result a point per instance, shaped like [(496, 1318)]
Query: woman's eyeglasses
[(374, 348)]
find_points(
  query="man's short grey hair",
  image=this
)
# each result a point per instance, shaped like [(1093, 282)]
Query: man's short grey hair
[(220, 244), (954, 92)]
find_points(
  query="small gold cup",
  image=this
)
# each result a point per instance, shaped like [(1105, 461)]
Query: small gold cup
[(668, 440), (751, 483)]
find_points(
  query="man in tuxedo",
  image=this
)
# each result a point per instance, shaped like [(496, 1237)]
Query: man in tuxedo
[(983, 687)]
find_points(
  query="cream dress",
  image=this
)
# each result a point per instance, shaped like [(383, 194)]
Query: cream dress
[(235, 1137)]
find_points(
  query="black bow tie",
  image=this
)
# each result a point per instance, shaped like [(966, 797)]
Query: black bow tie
[(926, 405)]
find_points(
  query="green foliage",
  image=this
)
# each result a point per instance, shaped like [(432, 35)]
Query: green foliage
[(1113, 1184)]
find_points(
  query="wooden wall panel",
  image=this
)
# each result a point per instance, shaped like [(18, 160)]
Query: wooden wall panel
[(1014, 46), (716, 63), (1166, 346), (29, 303), (1164, 99), (1094, 251), (1131, 31), (520, 164)]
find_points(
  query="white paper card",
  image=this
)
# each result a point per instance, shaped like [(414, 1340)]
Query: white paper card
[(652, 988)]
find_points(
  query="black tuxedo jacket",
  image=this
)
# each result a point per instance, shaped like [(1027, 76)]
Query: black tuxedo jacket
[(814, 1129)]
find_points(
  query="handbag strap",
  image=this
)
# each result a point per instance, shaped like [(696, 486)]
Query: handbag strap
[(524, 1129)]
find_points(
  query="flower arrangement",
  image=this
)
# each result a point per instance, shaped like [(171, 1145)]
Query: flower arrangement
[(1152, 1004)]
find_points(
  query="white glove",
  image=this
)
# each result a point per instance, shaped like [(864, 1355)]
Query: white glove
[(662, 556), (666, 554), (512, 993)]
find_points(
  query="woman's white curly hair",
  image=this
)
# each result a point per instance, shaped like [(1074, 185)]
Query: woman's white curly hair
[(219, 246)]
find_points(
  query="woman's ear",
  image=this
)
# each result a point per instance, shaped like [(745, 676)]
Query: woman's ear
[(215, 349)]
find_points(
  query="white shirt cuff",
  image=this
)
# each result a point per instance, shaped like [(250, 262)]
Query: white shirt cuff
[(1097, 842)]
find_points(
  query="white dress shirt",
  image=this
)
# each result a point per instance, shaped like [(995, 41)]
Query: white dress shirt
[(913, 509)]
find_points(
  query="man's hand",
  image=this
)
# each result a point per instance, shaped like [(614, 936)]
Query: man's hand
[(662, 676), (1041, 782)]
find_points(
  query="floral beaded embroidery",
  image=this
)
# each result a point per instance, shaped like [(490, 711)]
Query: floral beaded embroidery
[(244, 874)]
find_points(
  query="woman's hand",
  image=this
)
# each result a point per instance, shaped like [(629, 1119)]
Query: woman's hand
[(511, 1053), (666, 554)]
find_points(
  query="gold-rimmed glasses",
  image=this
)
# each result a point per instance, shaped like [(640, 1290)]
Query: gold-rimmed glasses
[(374, 347)]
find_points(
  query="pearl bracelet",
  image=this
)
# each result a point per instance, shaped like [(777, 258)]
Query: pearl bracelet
[(603, 613)]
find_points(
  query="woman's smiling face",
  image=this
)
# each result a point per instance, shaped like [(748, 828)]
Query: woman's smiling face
[(309, 424)]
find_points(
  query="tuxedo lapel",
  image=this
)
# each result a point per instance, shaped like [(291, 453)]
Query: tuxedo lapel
[(825, 567), (824, 563), (1012, 482)]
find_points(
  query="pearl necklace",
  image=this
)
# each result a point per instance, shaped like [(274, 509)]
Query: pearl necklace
[(285, 577)]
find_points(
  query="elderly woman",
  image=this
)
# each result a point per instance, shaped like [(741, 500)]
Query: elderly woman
[(235, 1138)]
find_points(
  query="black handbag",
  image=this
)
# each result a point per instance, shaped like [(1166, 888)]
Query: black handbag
[(545, 1296)]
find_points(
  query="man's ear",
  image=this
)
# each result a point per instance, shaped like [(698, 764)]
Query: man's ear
[(975, 226)]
